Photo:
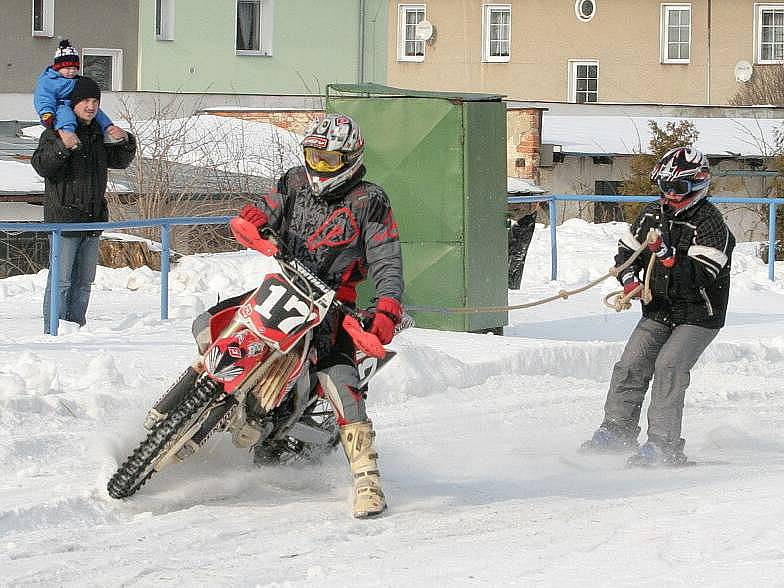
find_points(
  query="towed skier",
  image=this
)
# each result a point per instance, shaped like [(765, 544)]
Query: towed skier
[(689, 283), (341, 227)]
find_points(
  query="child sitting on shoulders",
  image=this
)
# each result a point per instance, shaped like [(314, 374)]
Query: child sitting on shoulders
[(51, 98)]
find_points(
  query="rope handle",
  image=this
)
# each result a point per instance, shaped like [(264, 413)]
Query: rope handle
[(653, 234)]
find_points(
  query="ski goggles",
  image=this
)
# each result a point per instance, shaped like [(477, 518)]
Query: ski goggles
[(323, 161), (676, 187)]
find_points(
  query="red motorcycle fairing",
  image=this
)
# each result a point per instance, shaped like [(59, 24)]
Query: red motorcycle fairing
[(279, 313), (230, 358)]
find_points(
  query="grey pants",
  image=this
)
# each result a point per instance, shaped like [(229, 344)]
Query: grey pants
[(665, 354)]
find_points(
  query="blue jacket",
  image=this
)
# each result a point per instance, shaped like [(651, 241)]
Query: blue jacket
[(51, 95)]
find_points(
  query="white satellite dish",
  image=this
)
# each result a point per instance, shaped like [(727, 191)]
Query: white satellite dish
[(743, 71), (423, 31)]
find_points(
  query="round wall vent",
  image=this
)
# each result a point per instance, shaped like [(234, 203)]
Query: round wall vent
[(585, 9)]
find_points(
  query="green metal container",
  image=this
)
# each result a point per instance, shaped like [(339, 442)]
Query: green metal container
[(441, 158)]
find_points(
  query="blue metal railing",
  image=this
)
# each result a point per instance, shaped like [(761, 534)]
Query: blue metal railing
[(57, 229), (771, 203)]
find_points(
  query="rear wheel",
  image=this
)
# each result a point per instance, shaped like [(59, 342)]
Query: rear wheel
[(319, 415)]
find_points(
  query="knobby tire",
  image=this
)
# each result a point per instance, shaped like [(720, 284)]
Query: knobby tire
[(136, 470)]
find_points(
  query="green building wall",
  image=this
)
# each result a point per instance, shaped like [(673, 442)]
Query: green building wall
[(315, 42)]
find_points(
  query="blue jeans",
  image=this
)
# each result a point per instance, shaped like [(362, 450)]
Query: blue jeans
[(78, 258)]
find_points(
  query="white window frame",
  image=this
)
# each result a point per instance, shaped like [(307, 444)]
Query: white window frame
[(487, 11), (117, 63), (47, 7), (759, 8), (402, 11), (265, 29), (573, 65), (664, 38), (164, 28)]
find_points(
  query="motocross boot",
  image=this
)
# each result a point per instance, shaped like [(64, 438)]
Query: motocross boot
[(357, 441)]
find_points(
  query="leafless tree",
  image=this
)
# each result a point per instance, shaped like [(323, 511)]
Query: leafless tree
[(192, 164), (766, 87)]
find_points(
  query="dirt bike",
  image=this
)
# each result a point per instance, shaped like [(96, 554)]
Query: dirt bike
[(255, 380)]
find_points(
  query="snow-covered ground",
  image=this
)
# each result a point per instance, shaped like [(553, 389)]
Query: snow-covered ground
[(477, 436)]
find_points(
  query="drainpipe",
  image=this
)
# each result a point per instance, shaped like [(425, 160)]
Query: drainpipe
[(708, 75), (361, 56)]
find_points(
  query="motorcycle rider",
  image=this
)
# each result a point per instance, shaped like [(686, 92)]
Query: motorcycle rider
[(341, 227), (690, 283)]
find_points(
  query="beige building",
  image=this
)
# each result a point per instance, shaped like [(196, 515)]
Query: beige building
[(631, 51)]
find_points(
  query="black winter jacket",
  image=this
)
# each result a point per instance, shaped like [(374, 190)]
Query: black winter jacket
[(694, 291), (75, 179), (340, 237)]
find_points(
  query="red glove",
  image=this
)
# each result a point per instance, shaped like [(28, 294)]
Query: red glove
[(663, 252), (630, 286), (47, 119), (630, 282), (254, 215), (388, 313)]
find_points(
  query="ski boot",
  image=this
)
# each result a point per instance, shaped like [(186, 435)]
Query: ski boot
[(171, 398), (611, 438), (357, 441), (657, 453)]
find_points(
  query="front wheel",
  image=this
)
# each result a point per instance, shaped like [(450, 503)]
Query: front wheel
[(140, 465)]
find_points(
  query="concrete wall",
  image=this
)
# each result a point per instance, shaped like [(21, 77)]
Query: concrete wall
[(624, 36), (111, 24), (313, 43)]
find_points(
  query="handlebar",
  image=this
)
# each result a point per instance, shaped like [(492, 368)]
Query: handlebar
[(355, 321)]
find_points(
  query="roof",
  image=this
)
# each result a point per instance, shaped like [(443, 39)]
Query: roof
[(380, 90), (627, 135), (522, 186)]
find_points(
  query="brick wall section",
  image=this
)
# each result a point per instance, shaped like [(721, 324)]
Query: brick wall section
[(292, 120), (523, 142)]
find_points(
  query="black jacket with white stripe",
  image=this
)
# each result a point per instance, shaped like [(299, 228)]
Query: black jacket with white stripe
[(695, 290)]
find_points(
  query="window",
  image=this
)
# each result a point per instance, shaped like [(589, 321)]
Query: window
[(676, 33), (104, 66), (497, 32), (43, 18), (585, 9), (409, 47), (254, 27), (770, 33), (583, 81), (164, 20)]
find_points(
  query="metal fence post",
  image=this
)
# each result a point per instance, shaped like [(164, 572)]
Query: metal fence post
[(54, 281), (553, 210), (771, 241), (165, 245)]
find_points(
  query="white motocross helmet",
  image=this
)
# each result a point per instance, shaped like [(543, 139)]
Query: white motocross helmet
[(333, 149), (683, 177)]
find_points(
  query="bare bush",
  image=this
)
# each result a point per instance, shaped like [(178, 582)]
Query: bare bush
[(766, 87), (195, 165)]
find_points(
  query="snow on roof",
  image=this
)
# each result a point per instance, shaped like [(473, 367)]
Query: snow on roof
[(522, 186), (11, 212), (623, 135), (219, 142), (16, 176)]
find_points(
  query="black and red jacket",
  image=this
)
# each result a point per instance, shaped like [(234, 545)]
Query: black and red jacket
[(342, 236), (695, 290)]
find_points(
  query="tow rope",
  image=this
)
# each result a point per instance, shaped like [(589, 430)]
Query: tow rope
[(621, 301)]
